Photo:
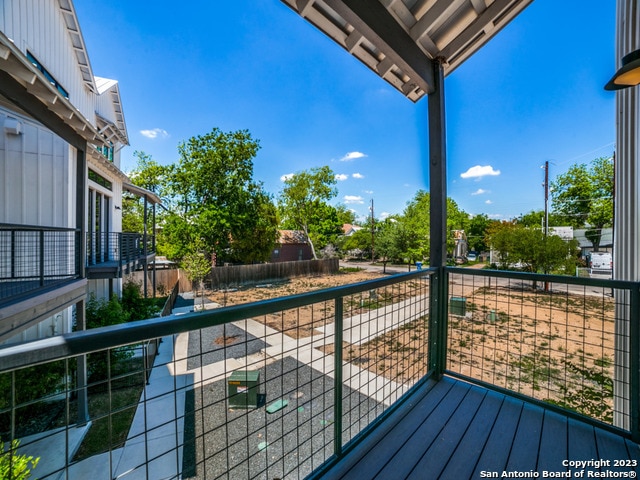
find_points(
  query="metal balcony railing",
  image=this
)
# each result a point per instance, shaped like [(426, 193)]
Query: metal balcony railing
[(33, 258), (261, 391), (118, 248)]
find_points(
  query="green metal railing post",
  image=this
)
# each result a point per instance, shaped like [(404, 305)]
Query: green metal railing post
[(438, 312), (337, 379), (634, 363)]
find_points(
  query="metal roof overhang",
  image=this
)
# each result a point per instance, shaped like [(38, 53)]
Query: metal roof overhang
[(400, 39), (142, 193)]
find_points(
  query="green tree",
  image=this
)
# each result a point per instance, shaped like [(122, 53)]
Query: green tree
[(388, 241), (303, 201), (583, 196), (477, 228), (531, 249), (356, 244), (416, 220), (197, 266), (214, 200), (147, 174), (15, 466), (535, 218)]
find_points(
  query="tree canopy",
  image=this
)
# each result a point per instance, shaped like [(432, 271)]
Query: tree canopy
[(303, 204), (530, 249), (212, 198), (583, 197)]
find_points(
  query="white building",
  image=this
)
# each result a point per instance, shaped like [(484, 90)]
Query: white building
[(61, 133)]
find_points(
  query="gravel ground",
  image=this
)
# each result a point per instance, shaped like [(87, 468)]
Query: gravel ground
[(288, 444), (220, 342)]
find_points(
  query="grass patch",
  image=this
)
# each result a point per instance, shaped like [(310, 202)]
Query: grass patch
[(111, 414)]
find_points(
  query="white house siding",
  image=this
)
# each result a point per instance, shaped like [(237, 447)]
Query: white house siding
[(38, 26), (626, 264), (100, 288), (61, 322), (36, 169)]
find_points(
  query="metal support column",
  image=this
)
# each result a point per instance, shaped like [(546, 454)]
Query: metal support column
[(145, 251), (438, 224), (626, 254)]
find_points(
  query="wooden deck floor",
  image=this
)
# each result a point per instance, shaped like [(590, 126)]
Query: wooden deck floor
[(453, 430)]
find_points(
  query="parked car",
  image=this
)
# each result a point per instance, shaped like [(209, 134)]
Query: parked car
[(599, 261)]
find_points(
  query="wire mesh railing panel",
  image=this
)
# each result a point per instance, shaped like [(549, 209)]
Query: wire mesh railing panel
[(33, 258), (552, 341), (385, 349), (249, 391)]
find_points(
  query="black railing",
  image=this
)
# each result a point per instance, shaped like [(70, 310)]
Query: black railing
[(33, 258), (121, 248), (264, 390)]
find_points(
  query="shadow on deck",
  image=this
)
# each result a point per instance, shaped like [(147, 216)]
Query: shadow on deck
[(454, 430)]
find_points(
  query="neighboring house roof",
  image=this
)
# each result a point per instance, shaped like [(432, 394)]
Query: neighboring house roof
[(348, 229), (291, 237), (606, 240)]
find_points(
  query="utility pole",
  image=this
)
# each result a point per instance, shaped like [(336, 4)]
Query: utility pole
[(546, 199), (372, 234), (546, 215)]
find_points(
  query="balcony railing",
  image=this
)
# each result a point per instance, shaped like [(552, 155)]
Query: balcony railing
[(118, 250), (261, 391), (33, 258)]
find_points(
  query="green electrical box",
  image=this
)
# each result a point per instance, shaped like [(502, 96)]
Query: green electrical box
[(243, 389), (458, 306)]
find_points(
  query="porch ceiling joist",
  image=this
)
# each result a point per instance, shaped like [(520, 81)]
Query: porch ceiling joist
[(399, 39)]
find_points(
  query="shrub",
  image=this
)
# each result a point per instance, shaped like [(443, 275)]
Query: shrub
[(15, 466)]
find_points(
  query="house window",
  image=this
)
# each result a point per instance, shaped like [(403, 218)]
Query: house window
[(100, 180), (276, 253), (106, 151), (47, 75)]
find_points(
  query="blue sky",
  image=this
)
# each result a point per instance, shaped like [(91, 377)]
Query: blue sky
[(534, 93)]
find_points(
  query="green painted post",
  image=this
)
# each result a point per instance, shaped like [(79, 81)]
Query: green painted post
[(337, 379)]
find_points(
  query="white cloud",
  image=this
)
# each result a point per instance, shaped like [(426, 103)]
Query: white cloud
[(480, 191), (495, 216), (384, 215), (341, 177), (352, 156), (286, 177), (155, 133), (353, 199), (357, 175), (369, 192), (488, 202), (480, 171)]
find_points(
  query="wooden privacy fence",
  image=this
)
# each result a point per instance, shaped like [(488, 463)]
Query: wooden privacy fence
[(165, 280), (241, 275)]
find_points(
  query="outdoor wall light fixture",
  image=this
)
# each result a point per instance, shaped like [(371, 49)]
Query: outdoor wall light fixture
[(12, 126), (629, 73)]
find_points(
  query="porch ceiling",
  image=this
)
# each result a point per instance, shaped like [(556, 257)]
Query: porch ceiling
[(399, 39)]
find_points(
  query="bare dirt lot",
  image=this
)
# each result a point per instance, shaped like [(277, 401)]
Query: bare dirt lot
[(555, 347)]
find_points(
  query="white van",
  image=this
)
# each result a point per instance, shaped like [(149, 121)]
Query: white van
[(600, 261)]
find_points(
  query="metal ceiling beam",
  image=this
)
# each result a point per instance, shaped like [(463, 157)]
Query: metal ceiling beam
[(377, 25)]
